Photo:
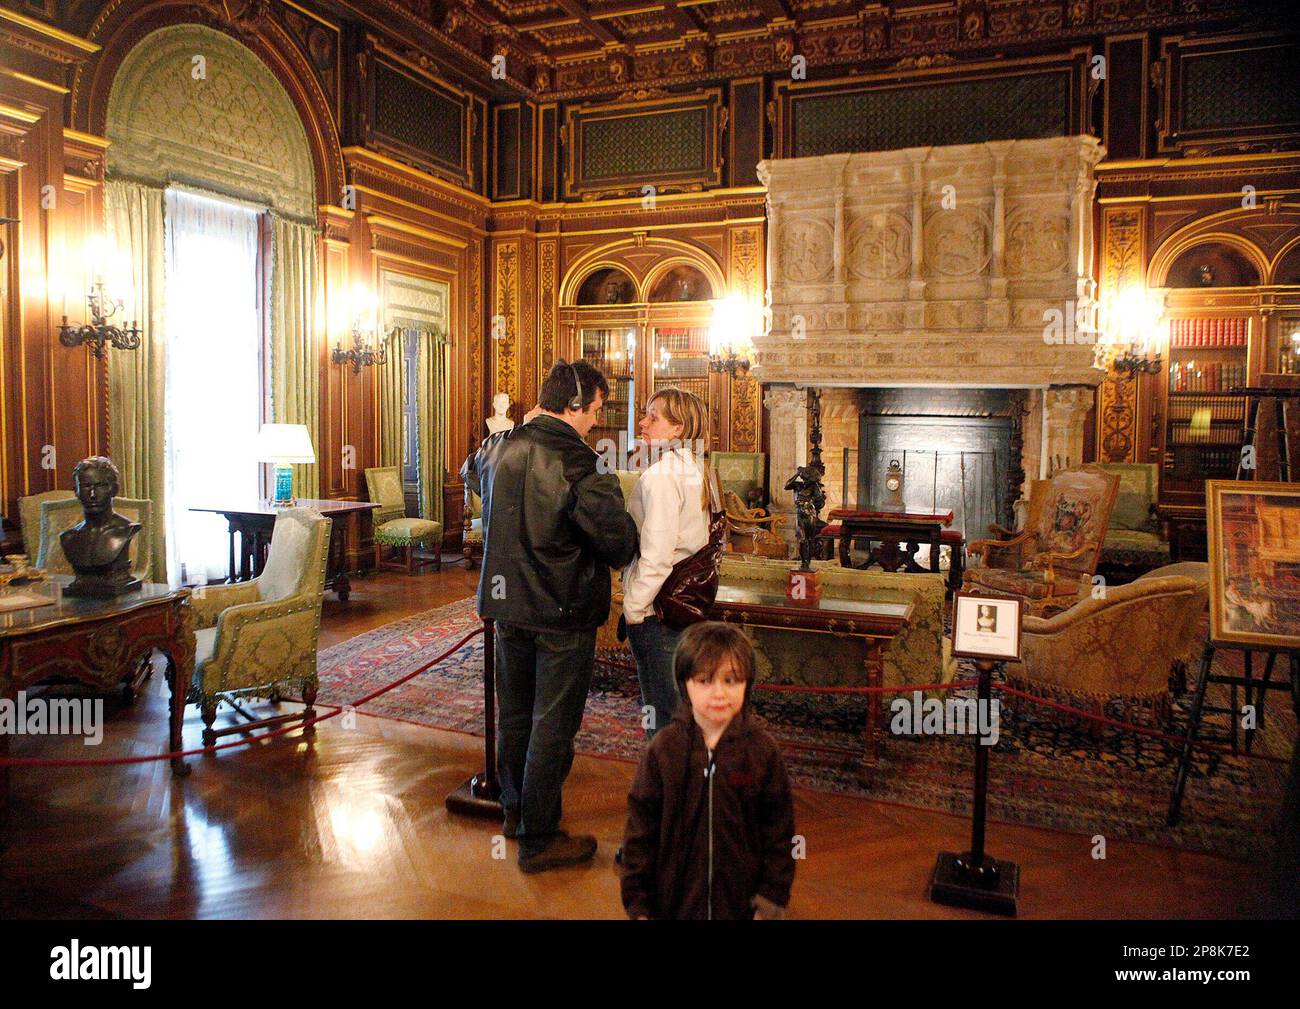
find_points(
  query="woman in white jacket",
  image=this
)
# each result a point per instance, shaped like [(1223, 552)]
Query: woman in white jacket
[(670, 508)]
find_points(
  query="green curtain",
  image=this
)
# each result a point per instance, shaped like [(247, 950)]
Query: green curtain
[(295, 359), (136, 380), (431, 406), (392, 386)]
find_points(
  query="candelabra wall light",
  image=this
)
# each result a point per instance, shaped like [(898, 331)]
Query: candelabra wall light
[(729, 336), (1130, 333), (100, 332), (367, 350)]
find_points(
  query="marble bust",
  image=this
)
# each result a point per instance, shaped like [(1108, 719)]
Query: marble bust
[(99, 546), (499, 422)]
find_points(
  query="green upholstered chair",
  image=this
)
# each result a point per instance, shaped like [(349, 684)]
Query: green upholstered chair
[(29, 520), (60, 515), (1133, 542), (392, 529), (258, 638), (742, 473), (921, 653)]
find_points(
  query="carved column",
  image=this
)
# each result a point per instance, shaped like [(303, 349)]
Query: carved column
[(998, 311), (839, 244), (788, 445), (914, 312), (773, 247), (1066, 409)]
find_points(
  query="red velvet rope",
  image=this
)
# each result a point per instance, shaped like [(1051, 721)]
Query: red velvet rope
[(866, 690), (298, 724)]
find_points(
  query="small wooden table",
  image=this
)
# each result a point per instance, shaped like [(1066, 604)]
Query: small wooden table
[(255, 522), (890, 530), (875, 616), (99, 642)]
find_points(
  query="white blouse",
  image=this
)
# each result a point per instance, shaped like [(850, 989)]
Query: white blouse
[(667, 507)]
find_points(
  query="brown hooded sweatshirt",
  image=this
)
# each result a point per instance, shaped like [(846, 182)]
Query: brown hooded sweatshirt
[(709, 835)]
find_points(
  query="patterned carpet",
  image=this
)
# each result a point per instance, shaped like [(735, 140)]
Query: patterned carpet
[(1044, 771)]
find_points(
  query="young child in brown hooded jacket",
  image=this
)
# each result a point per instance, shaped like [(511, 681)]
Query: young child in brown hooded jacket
[(710, 823)]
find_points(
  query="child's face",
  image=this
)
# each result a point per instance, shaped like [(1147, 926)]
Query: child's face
[(716, 695)]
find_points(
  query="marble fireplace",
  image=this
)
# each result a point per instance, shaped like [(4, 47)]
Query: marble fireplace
[(940, 270)]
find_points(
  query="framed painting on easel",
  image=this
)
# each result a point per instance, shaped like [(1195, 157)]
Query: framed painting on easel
[(1254, 540)]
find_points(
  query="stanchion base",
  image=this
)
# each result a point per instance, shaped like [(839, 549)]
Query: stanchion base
[(476, 797), (993, 886)]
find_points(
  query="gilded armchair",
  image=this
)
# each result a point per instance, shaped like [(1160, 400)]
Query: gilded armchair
[(258, 638), (1052, 560), (60, 515), (1120, 647), (752, 530)]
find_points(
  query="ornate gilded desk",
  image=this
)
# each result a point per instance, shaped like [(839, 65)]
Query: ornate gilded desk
[(98, 642), (875, 616)]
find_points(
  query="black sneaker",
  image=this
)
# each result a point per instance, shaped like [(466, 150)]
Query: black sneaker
[(562, 850)]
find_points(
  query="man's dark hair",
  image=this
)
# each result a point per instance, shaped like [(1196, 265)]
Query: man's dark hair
[(98, 462), (560, 386)]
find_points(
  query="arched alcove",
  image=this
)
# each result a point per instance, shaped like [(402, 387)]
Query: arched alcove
[(1287, 270), (607, 286), (682, 282), (1212, 264)]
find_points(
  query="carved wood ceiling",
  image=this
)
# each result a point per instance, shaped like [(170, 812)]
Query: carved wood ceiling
[(572, 48)]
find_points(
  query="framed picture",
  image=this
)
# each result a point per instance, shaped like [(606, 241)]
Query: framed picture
[(986, 627), (1254, 534)]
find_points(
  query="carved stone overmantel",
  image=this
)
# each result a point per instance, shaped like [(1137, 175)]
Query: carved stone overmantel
[(936, 265)]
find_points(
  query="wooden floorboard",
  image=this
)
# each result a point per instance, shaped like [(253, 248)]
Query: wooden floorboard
[(351, 824)]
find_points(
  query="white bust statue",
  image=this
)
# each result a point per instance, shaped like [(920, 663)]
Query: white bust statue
[(499, 422)]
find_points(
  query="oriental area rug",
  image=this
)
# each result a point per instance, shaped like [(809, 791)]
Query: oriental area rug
[(1045, 770)]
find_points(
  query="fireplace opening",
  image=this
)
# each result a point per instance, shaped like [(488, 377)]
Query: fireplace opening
[(959, 450)]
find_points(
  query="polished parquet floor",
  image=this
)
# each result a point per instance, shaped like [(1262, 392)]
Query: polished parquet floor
[(352, 825)]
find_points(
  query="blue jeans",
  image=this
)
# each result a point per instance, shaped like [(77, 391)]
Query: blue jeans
[(542, 682), (653, 645)]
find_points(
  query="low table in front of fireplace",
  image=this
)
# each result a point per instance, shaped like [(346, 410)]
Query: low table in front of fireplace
[(896, 536)]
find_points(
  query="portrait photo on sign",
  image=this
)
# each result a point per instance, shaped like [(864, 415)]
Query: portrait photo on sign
[(1254, 540), (985, 627)]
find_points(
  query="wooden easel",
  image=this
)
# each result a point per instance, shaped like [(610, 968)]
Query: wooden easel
[(1256, 692)]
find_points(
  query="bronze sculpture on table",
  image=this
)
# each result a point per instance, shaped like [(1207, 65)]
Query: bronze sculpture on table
[(99, 546), (809, 500)]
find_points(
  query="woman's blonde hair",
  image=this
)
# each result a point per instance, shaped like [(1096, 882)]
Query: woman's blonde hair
[(687, 409), (678, 406)]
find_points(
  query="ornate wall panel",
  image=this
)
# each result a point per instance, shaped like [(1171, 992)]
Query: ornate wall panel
[(622, 146), (505, 283), (417, 117), (235, 126), (547, 296), (746, 269)]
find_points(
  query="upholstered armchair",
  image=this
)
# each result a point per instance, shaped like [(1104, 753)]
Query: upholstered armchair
[(29, 520), (258, 638), (742, 473), (1119, 647), (752, 530), (60, 515), (392, 529), (1133, 542), (1053, 558), (471, 537)]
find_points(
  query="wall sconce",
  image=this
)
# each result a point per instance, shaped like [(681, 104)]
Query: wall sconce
[(734, 324), (100, 332), (366, 350), (1131, 329)]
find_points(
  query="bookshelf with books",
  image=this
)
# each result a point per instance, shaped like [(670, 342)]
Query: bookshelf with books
[(1200, 437), (612, 350)]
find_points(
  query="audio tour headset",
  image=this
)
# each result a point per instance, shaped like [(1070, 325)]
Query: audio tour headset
[(576, 402)]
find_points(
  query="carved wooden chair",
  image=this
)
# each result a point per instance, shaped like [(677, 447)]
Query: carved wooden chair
[(752, 530), (1052, 560)]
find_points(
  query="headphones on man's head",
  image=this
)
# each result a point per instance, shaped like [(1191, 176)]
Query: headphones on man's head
[(576, 402)]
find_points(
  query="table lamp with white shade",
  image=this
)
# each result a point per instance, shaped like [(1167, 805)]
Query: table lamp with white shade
[(284, 445)]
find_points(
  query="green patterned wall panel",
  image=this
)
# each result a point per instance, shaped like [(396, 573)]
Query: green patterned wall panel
[(419, 117), (1250, 88), (962, 112), (643, 146)]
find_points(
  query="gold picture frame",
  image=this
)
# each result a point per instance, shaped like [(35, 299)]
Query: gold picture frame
[(1254, 545)]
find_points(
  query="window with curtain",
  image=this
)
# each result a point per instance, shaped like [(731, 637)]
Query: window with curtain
[(213, 376)]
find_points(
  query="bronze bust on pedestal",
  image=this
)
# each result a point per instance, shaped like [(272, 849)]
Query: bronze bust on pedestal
[(99, 547)]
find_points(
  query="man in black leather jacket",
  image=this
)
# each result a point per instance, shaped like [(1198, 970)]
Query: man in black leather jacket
[(553, 526)]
